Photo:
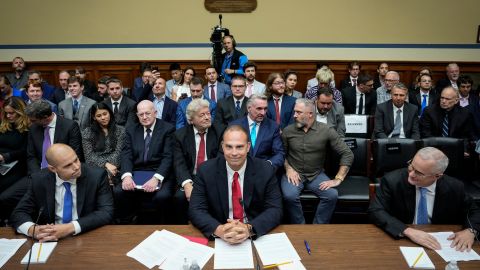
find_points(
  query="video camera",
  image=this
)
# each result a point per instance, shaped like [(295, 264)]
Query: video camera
[(216, 38)]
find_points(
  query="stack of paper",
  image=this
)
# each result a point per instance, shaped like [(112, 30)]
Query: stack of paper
[(229, 256), (448, 253), (417, 258), (40, 252), (276, 249), (8, 248)]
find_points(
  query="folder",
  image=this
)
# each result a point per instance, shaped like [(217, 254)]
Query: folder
[(141, 177)]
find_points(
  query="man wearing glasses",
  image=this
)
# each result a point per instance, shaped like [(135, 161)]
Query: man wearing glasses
[(383, 92), (422, 194)]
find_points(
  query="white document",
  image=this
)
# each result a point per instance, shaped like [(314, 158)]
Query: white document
[(8, 248), (356, 123), (228, 256), (5, 167), (192, 252), (448, 254), (411, 254), (40, 252), (275, 248), (295, 265), (155, 249)]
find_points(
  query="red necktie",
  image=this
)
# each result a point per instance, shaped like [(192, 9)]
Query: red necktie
[(212, 92), (277, 111), (201, 150), (236, 198)]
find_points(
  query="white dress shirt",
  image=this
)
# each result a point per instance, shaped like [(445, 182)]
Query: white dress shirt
[(358, 93), (250, 126), (241, 178)]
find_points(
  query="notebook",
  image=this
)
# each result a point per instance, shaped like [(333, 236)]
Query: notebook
[(40, 252), (417, 258)]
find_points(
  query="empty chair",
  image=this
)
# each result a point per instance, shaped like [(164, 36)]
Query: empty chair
[(453, 148), (393, 153)]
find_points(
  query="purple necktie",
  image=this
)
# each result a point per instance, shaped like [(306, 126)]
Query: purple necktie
[(46, 145)]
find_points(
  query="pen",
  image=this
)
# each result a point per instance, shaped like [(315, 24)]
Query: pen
[(39, 250), (417, 259), (275, 265), (307, 247)]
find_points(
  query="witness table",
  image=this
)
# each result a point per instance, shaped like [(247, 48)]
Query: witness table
[(335, 246)]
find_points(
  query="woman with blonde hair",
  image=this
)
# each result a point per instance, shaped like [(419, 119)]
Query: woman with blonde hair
[(325, 77)]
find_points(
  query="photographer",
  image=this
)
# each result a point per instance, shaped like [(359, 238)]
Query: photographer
[(233, 60)]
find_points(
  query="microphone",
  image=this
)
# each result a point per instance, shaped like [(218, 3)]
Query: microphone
[(256, 265), (220, 18), (33, 237)]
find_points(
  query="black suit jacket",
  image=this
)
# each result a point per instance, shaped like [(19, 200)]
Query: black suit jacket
[(394, 203), (415, 98), (169, 113), (261, 196), (460, 122), (349, 101), (160, 155), (346, 83), (442, 83), (385, 120), (185, 155), (226, 112), (66, 131), (94, 199), (58, 95), (126, 110)]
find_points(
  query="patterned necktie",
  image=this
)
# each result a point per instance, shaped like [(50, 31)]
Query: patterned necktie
[(360, 104), (148, 138), (201, 150), (46, 145), (354, 82), (424, 103), (212, 93), (398, 125), (67, 204), (253, 134), (237, 108), (75, 106), (422, 213), (115, 108), (445, 126), (237, 198), (277, 111)]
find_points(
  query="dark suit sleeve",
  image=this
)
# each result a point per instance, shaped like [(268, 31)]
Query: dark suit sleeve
[(182, 172), (219, 120), (26, 209), (181, 119), (415, 126), (75, 140), (32, 161), (426, 124), (166, 162), (126, 159), (278, 152), (379, 129)]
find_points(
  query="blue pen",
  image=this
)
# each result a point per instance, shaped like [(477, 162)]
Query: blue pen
[(307, 246)]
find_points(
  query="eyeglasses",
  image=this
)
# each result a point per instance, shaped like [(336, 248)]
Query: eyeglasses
[(147, 114), (278, 83), (238, 86), (417, 173)]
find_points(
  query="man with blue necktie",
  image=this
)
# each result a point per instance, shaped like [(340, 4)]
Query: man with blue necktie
[(67, 198), (425, 96), (422, 194)]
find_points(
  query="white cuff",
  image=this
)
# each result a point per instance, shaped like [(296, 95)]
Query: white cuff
[(24, 227), (186, 182), (125, 175), (78, 229), (159, 177)]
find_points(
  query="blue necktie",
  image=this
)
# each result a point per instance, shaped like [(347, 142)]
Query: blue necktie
[(424, 104), (67, 204), (422, 213), (253, 134), (75, 106), (445, 126)]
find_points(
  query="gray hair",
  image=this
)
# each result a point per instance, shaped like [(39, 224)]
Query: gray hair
[(394, 73), (432, 153), (194, 106), (39, 109), (308, 104), (254, 98), (400, 86)]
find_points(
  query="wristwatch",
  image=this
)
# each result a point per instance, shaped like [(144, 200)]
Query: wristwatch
[(475, 232)]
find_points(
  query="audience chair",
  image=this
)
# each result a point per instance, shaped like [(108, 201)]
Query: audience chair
[(392, 153)]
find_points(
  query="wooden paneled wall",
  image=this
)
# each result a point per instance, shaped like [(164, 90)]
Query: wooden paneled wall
[(128, 70)]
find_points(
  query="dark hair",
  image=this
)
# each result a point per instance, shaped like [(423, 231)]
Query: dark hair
[(324, 91), (143, 66), (319, 65), (249, 64), (363, 78), (74, 79), (234, 43), (114, 80), (5, 79), (80, 69), (420, 77), (103, 80), (39, 109), (98, 135), (354, 63), (174, 66), (269, 82), (185, 71), (289, 72), (464, 79), (196, 81)]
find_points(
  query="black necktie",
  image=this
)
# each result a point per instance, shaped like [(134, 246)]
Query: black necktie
[(148, 138), (360, 105), (115, 107), (237, 108)]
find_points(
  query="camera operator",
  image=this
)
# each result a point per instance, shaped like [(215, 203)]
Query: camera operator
[(233, 59)]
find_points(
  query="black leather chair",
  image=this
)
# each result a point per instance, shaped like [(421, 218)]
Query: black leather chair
[(391, 154), (453, 148)]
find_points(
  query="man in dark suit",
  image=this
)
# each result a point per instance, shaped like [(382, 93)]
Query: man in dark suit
[(59, 130), (165, 106), (194, 144), (214, 89), (235, 196), (280, 106), (360, 99), (397, 118), (425, 96), (234, 106), (264, 133), (352, 80), (69, 198), (469, 100), (422, 194), (123, 107), (59, 94), (147, 150), (453, 72)]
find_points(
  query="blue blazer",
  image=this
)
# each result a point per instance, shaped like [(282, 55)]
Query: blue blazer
[(223, 91), (182, 111), (286, 111), (268, 145)]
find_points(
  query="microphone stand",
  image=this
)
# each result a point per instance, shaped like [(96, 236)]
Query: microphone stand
[(256, 265), (33, 238)]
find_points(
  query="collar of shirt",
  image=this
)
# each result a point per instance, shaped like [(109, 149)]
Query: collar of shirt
[(195, 130), (241, 172), (60, 181), (250, 122), (210, 85), (352, 78), (157, 99), (395, 108), (241, 100), (119, 101), (54, 121), (279, 98), (358, 91), (79, 99), (151, 128)]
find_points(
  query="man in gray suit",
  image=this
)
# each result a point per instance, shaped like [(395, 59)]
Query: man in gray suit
[(330, 112), (397, 118), (253, 86), (76, 107), (214, 89)]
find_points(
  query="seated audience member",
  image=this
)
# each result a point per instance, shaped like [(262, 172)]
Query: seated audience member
[(182, 89), (324, 78), (138, 81), (176, 73), (236, 196), (383, 92), (234, 106), (19, 77), (233, 60), (62, 92), (89, 88), (379, 80), (148, 149), (353, 71), (453, 72), (77, 106), (13, 147), (424, 96), (46, 129), (305, 145), (467, 97), (102, 89), (416, 83), (36, 76), (397, 118), (166, 107), (422, 194), (280, 106), (123, 107), (102, 141), (291, 79), (34, 92), (447, 119), (215, 90), (80, 200), (314, 82), (194, 143), (196, 89), (145, 91), (264, 133), (360, 99), (330, 112), (6, 90), (253, 86)]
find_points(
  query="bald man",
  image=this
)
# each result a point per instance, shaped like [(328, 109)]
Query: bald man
[(67, 198), (146, 165)]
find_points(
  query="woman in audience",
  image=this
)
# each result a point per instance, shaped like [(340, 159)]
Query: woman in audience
[(291, 83), (103, 140), (182, 90), (324, 77), (13, 148)]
